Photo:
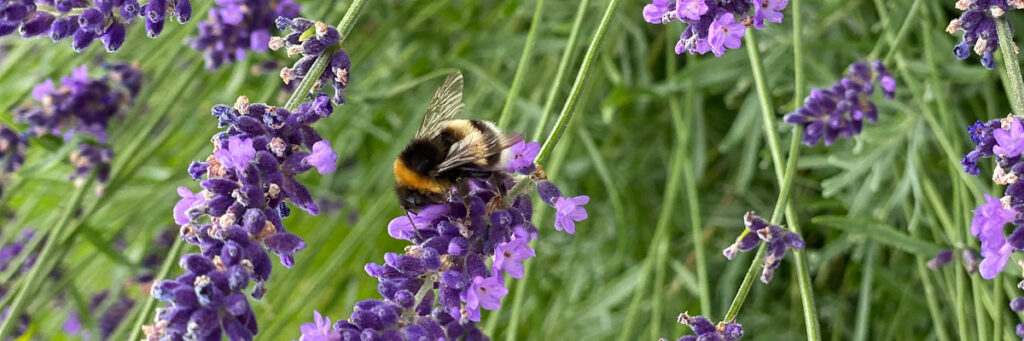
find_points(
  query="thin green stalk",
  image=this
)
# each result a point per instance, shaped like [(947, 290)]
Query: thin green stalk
[(900, 35), (693, 206), (979, 311), (660, 242), (165, 270), (748, 281), (767, 113), (517, 303), (864, 300), (577, 86), (31, 283), (570, 103), (785, 178), (1009, 51), (524, 62), (799, 258), (344, 27), (563, 65)]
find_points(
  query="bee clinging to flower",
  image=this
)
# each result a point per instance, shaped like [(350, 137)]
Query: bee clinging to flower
[(447, 151)]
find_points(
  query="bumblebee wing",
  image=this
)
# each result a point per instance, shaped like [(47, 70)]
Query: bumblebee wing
[(466, 151), (446, 104)]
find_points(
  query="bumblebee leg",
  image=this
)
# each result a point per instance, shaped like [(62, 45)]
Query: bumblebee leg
[(462, 190)]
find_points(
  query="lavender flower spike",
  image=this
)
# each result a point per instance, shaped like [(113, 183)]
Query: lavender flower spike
[(703, 329), (85, 21), (778, 240), (311, 39), (978, 24), (437, 288), (248, 181), (236, 27), (840, 110), (713, 25)]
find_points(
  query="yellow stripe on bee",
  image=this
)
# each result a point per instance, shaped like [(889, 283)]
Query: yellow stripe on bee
[(407, 176)]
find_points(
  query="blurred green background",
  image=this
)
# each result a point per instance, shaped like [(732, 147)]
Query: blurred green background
[(646, 119)]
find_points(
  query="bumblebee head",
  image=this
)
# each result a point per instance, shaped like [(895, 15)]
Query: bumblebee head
[(413, 200)]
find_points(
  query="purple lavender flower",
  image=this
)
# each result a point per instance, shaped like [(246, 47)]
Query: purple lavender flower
[(971, 258), (987, 225), (235, 27), (311, 39), (941, 259), (12, 150), (690, 9), (8, 253), (236, 154), (568, 210), (840, 111), (436, 289), (84, 106), (713, 25), (704, 330), (323, 157), (187, 202), (510, 256), (110, 315), (86, 21), (483, 293), (978, 23), (725, 32), (523, 154), (770, 10), (779, 242), (655, 12), (320, 330), (1009, 141), (249, 178)]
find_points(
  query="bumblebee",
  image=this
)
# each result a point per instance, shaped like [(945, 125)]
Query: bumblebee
[(447, 151)]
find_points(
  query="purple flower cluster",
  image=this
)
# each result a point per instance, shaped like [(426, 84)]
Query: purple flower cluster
[(979, 26), (7, 254), (111, 312), (758, 230), (237, 26), (713, 25), (704, 330), (311, 39), (436, 289), (248, 180), (841, 109), (1003, 140), (87, 21), (81, 105), (12, 150), (970, 258)]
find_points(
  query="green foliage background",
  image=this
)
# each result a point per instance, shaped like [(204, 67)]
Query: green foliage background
[(892, 196)]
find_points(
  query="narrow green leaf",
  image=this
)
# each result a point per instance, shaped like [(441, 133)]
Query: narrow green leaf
[(881, 233)]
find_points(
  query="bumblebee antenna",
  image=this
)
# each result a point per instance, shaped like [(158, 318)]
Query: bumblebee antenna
[(413, 223)]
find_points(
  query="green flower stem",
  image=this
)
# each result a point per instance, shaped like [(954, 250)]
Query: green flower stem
[(32, 282), (690, 183), (570, 102), (428, 285), (165, 270), (900, 35), (1009, 50), (860, 331), (344, 27), (785, 179), (563, 65), (811, 322), (524, 62)]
